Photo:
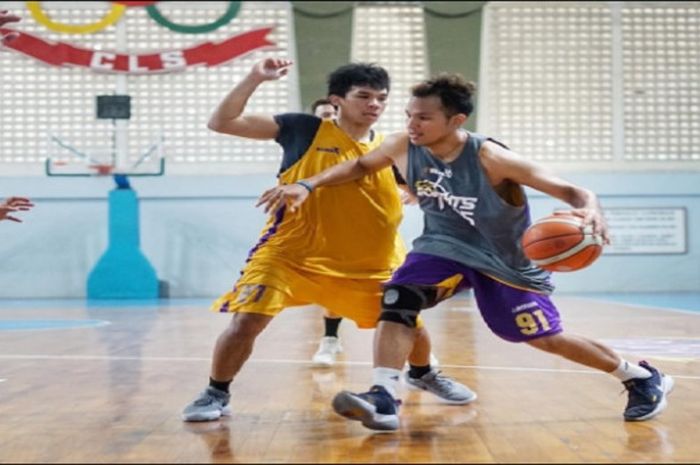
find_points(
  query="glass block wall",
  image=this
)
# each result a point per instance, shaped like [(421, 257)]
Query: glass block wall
[(41, 100), (585, 83), (392, 36)]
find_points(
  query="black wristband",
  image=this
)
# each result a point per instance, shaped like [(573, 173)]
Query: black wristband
[(305, 184)]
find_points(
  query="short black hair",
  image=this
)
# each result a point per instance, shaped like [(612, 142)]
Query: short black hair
[(317, 103), (454, 91), (344, 78)]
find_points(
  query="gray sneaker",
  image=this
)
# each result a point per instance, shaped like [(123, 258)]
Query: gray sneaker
[(376, 409), (211, 404), (445, 388)]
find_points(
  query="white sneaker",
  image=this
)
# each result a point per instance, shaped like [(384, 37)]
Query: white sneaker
[(327, 351)]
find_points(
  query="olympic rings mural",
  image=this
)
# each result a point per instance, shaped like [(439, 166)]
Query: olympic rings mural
[(208, 53)]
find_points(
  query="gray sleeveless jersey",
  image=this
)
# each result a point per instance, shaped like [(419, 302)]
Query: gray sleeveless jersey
[(467, 221)]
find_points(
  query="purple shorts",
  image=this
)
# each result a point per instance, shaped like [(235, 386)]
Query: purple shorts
[(513, 314)]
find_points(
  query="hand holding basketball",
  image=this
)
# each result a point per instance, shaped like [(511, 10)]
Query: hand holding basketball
[(565, 241), (593, 217)]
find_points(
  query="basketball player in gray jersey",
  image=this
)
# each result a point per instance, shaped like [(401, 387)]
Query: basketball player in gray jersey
[(470, 190)]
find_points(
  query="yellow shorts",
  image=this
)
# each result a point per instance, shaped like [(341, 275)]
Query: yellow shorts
[(270, 289)]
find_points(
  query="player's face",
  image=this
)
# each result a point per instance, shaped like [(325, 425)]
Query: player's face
[(363, 105), (325, 111), (426, 121)]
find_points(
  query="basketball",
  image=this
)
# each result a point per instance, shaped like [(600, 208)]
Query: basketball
[(559, 242)]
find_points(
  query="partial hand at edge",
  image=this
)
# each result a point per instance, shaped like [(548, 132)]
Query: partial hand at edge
[(14, 204)]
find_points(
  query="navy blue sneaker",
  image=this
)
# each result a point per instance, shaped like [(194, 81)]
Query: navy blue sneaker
[(376, 409), (647, 396)]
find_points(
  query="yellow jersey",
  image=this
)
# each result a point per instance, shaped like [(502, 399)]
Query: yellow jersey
[(348, 230)]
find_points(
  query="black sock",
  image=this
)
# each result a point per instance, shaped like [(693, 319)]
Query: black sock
[(220, 385), (417, 372), (332, 326)]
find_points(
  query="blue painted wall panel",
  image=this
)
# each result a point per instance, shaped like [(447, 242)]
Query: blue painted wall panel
[(197, 231)]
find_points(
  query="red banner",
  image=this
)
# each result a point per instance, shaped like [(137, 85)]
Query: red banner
[(208, 53)]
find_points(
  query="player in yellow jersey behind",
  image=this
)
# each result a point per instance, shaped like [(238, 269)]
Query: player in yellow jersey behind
[(330, 345), (336, 250)]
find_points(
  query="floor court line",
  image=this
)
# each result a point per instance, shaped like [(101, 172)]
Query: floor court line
[(300, 362)]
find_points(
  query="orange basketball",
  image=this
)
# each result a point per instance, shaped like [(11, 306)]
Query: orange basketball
[(559, 242)]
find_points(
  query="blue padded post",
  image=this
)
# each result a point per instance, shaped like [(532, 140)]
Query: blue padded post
[(123, 272)]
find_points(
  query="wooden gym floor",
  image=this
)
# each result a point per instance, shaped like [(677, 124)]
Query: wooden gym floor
[(106, 383)]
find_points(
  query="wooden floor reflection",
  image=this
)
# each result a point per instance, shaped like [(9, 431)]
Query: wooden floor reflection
[(113, 391)]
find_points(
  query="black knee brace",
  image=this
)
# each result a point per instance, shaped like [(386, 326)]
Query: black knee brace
[(402, 303)]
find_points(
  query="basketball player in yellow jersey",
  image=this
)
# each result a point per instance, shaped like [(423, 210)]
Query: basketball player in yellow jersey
[(330, 345), (335, 251)]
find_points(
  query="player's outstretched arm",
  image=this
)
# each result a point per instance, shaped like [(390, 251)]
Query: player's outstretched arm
[(392, 149), (228, 118)]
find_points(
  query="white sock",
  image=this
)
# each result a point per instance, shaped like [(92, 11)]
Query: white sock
[(388, 378), (626, 371)]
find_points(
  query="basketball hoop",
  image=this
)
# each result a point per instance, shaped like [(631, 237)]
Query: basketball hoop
[(102, 169), (67, 160)]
